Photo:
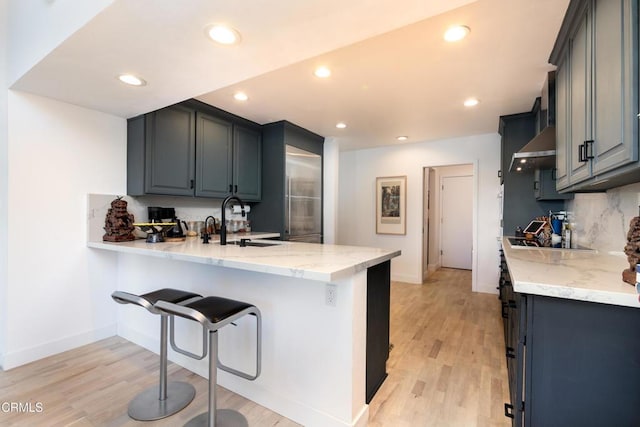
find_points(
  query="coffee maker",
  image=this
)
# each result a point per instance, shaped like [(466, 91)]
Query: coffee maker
[(158, 214)]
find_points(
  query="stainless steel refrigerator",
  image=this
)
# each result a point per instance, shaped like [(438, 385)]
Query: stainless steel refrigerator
[(303, 196)]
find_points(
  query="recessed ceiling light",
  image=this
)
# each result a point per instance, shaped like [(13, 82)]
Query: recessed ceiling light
[(523, 160), (240, 96), (471, 102), (402, 138), (132, 80), (222, 34), (341, 125), (456, 33), (322, 72)]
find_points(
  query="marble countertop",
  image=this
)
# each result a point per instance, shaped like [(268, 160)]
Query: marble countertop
[(293, 259), (585, 275)]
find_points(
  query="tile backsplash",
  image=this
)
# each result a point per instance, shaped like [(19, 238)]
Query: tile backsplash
[(601, 220)]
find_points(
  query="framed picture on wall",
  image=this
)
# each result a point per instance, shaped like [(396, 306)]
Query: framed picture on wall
[(391, 203)]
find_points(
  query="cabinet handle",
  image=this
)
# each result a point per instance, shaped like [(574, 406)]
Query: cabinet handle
[(554, 174), (588, 150), (512, 304), (581, 157), (510, 353), (499, 174), (536, 185), (230, 188), (191, 185), (508, 410), (235, 188), (505, 315)]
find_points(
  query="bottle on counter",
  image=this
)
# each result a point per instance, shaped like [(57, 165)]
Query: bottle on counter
[(566, 234)]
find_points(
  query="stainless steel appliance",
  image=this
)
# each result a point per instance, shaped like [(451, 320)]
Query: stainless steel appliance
[(303, 196)]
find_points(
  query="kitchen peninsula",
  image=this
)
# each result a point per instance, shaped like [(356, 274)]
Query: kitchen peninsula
[(321, 356), (571, 336)]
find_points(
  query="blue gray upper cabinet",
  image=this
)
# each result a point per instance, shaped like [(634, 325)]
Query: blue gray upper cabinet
[(193, 149), (597, 95), (160, 152)]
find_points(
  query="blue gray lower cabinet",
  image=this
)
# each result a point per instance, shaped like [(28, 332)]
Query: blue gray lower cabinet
[(576, 363), (378, 312)]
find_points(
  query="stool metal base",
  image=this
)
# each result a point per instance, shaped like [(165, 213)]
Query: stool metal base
[(147, 406), (224, 418)]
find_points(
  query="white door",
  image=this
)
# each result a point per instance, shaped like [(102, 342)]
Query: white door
[(456, 240)]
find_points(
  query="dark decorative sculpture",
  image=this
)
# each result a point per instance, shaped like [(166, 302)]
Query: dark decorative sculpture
[(632, 249), (119, 223)]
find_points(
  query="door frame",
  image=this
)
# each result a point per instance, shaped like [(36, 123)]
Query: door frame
[(474, 226)]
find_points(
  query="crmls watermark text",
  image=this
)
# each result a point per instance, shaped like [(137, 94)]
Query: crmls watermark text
[(22, 407)]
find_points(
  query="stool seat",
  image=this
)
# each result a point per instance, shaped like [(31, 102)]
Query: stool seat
[(218, 309), (166, 399), (175, 296)]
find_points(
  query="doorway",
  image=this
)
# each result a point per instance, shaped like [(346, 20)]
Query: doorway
[(449, 200)]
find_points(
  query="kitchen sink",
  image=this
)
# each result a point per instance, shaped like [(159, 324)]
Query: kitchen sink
[(253, 243)]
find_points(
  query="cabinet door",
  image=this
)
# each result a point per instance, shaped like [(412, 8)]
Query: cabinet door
[(579, 105), (562, 125), (169, 152), (583, 367), (544, 186), (614, 143), (214, 156), (247, 163)]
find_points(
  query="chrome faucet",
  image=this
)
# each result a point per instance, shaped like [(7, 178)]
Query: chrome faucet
[(223, 225)]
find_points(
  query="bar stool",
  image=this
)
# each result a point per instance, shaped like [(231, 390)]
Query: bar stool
[(166, 399), (213, 313)]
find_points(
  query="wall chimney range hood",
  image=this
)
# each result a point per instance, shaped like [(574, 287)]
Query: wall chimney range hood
[(540, 152)]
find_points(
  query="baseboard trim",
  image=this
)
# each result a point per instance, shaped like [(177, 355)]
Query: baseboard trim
[(12, 360), (407, 278)]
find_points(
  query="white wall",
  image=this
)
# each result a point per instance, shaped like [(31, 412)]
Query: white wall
[(36, 27), (59, 290), (359, 169), (3, 177)]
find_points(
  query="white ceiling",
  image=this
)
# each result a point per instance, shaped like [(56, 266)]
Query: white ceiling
[(392, 72)]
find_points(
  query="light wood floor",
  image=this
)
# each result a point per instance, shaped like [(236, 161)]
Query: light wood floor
[(447, 366), (446, 369)]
